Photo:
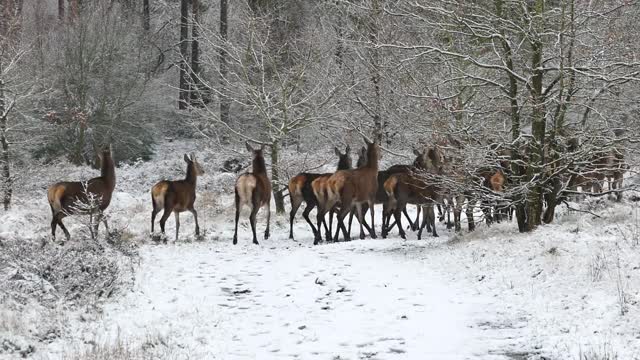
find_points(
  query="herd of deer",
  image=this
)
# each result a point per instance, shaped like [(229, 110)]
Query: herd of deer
[(347, 191)]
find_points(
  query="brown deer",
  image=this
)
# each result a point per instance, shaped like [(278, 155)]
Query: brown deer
[(300, 191), (421, 163), (177, 196), (70, 198), (351, 188), (406, 188), (253, 189)]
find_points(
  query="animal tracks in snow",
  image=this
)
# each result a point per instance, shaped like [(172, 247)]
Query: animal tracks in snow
[(335, 302)]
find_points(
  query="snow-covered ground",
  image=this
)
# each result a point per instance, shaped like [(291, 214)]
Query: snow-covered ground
[(569, 290)]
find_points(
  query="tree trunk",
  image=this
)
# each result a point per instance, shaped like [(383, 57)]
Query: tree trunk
[(7, 186), (195, 54), (224, 100), (538, 127), (183, 98), (73, 9), (275, 178), (375, 73), (517, 171), (146, 15)]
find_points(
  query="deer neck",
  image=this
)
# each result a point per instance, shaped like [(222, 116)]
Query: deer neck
[(259, 166), (191, 177), (344, 165), (108, 172)]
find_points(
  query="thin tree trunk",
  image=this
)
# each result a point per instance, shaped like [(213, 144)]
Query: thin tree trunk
[(61, 10), (7, 186), (146, 15), (224, 100), (375, 74), (183, 98), (275, 178), (73, 9), (195, 54)]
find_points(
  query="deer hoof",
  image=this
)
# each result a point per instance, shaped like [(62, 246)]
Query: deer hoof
[(235, 240), (256, 242)]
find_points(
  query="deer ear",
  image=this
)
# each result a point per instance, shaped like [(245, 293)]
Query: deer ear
[(186, 158), (192, 156), (416, 152), (337, 151), (262, 147), (248, 146), (348, 149)]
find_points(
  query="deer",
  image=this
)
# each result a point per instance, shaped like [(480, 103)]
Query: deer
[(420, 163), (300, 191), (65, 197), (352, 188), (405, 188), (177, 196), (254, 190), (319, 189)]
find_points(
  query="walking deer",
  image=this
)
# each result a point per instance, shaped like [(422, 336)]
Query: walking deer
[(300, 190), (253, 189), (350, 188), (319, 186), (177, 196), (73, 197), (405, 188)]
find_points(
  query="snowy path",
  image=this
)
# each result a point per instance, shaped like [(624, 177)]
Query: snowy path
[(340, 301)]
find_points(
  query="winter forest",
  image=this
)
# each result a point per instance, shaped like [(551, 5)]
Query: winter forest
[(331, 179)]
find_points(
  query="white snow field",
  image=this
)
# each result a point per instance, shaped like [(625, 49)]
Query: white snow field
[(569, 290)]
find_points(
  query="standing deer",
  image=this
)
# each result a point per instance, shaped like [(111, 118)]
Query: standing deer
[(351, 188), (177, 196), (253, 189), (300, 190), (64, 197)]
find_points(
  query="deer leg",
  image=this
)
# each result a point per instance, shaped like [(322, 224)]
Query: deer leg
[(359, 215), (432, 219), (342, 214), (58, 219), (177, 215), (416, 224), (295, 205), (329, 229), (305, 215), (163, 220), (238, 208), (252, 219), (319, 222), (385, 220), (397, 214), (267, 230), (373, 223), (195, 217), (428, 226)]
